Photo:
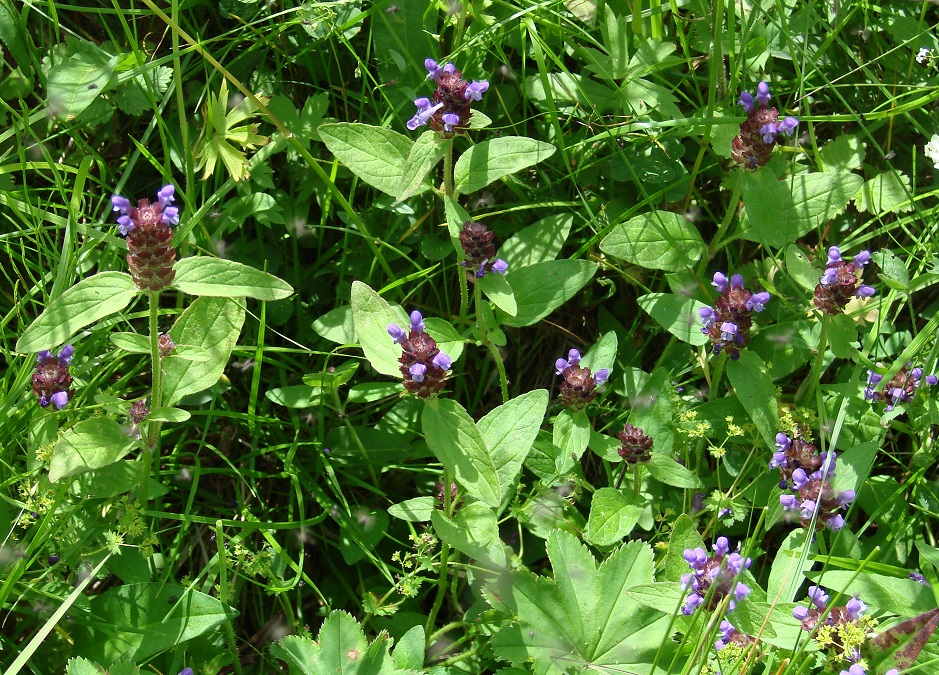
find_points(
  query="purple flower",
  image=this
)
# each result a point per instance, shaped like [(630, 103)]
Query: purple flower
[(580, 384), (916, 576), (714, 575), (424, 112), (450, 120), (500, 266), (186, 671), (433, 69), (51, 380), (762, 93), (855, 669), (757, 301), (423, 366), (719, 282), (728, 323), (475, 90), (841, 281), (448, 111), (746, 100)]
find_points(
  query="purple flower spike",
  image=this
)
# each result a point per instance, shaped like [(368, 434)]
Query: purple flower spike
[(475, 90), (746, 100), (51, 380), (601, 376), (500, 266), (397, 333), (417, 372), (762, 94), (580, 384), (757, 301)]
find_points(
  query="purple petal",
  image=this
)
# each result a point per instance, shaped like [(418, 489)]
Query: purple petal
[(845, 497), (573, 356), (65, 356), (561, 365), (449, 69), (862, 259), (500, 266), (800, 613), (170, 215), (932, 380), (420, 119), (450, 120), (417, 372), (125, 225), (736, 281), (916, 373), (788, 125), (119, 203), (166, 195), (721, 546), (746, 100), (481, 272), (442, 361), (865, 291), (186, 671), (783, 442), (397, 333), (855, 608), (834, 255), (43, 355), (601, 376), (708, 316), (769, 131), (43, 401), (758, 301), (728, 330), (719, 282), (830, 277), (433, 68), (60, 399), (422, 103), (417, 322), (789, 502), (762, 93), (475, 90)]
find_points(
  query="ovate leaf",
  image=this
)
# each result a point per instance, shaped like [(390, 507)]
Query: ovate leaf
[(75, 82), (543, 287), (454, 439), (84, 303), (781, 211), (371, 315), (491, 160), (423, 157), (90, 444), (757, 394), (376, 155), (660, 240), (216, 277), (613, 515), (213, 325), (678, 315)]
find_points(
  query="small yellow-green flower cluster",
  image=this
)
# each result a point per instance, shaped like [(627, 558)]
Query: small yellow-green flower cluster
[(843, 640)]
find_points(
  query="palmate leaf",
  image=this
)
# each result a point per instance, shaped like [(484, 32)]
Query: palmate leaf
[(223, 130), (582, 618), (340, 647)]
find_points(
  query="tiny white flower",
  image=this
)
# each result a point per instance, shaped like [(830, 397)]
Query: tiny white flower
[(932, 150), (922, 55)]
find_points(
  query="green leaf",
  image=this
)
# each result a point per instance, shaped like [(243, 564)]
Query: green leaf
[(684, 536), (543, 287), (415, 510), (135, 96), (582, 617), (613, 515), (409, 651), (297, 396), (220, 278), (842, 336), (75, 82), (474, 531), (136, 621), (845, 153), (676, 314), (90, 444), (131, 342), (660, 240), (361, 533), (378, 156), (223, 129), (424, 155), (454, 439), (537, 243), (498, 290), (892, 270), (800, 269), (371, 315), (509, 432), (789, 567), (670, 472), (757, 394), (603, 353), (888, 192), (174, 415), (781, 211), (84, 303), (491, 160), (336, 326), (340, 647), (570, 434), (213, 325), (889, 594)]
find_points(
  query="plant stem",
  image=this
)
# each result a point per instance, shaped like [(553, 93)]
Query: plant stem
[(448, 168), (622, 474), (151, 445), (716, 243), (444, 556), (808, 385), (223, 592), (496, 354)]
